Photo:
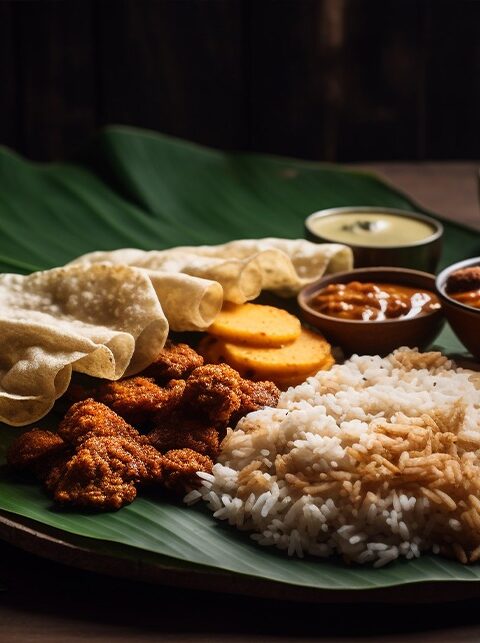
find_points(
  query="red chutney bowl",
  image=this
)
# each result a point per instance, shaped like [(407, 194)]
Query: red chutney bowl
[(374, 337), (464, 320)]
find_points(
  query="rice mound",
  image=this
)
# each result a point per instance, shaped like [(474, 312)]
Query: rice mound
[(374, 459)]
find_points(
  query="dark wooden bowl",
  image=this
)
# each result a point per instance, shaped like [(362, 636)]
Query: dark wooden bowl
[(374, 337), (464, 320)]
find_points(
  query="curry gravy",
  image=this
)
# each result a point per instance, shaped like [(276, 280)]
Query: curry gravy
[(464, 286), (469, 297), (373, 301)]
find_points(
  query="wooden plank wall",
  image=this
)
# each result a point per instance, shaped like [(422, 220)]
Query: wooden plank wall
[(336, 80)]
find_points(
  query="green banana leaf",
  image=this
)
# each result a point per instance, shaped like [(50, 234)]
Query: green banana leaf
[(138, 189)]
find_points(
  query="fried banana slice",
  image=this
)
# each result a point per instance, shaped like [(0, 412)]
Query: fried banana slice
[(256, 325)]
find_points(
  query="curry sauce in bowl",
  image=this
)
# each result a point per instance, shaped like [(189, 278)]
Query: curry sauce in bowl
[(374, 310), (458, 287), (373, 301)]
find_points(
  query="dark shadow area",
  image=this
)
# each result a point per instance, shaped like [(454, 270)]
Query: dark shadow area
[(335, 80), (66, 597)]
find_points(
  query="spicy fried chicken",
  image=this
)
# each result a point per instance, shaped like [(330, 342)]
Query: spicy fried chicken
[(89, 417), (33, 447), (100, 459), (219, 393), (39, 452), (104, 472), (180, 432), (136, 399), (215, 395), (254, 396), (213, 392), (175, 362), (180, 469)]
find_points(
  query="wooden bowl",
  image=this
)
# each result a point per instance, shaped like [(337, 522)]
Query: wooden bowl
[(464, 320), (374, 337)]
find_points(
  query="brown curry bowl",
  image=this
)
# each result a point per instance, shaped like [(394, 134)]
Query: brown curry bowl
[(464, 320), (375, 337)]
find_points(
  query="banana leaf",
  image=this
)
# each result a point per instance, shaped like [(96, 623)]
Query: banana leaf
[(134, 188)]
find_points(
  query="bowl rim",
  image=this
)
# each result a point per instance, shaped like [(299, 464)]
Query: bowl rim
[(436, 225), (302, 297), (441, 282)]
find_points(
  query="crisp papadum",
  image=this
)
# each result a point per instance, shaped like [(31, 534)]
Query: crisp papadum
[(243, 268), (102, 320)]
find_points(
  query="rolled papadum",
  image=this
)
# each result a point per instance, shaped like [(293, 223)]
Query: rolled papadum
[(189, 303), (243, 268)]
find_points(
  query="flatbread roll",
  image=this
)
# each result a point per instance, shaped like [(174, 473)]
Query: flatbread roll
[(189, 303), (243, 268)]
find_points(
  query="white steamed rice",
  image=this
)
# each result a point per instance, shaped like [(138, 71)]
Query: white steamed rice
[(374, 459)]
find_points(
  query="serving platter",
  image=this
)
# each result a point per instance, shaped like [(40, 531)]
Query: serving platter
[(130, 563), (130, 190)]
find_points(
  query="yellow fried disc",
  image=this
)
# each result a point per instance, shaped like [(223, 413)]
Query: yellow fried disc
[(305, 355), (256, 325)]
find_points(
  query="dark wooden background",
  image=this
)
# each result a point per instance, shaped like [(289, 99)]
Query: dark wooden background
[(338, 80)]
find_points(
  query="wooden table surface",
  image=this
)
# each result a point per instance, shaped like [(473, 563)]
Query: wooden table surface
[(45, 602), (450, 189)]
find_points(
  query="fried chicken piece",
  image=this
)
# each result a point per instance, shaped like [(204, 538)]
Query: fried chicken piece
[(180, 468), (43, 453), (111, 458), (95, 461), (137, 399), (181, 432), (50, 472), (214, 392), (464, 279), (91, 417), (220, 394), (175, 362), (34, 447), (104, 471), (254, 396)]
